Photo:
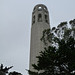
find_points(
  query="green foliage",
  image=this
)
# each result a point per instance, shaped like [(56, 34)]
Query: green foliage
[(4, 70), (2, 73), (14, 73), (57, 61), (62, 31), (62, 24), (59, 57)]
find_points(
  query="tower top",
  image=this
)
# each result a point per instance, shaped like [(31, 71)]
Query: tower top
[(40, 7), (40, 14)]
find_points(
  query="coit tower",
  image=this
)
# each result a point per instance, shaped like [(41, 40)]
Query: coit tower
[(40, 22)]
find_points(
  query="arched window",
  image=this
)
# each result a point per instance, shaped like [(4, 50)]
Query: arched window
[(46, 18), (33, 19), (39, 8), (39, 17), (44, 8)]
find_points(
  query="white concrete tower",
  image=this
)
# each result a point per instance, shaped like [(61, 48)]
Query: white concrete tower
[(40, 22)]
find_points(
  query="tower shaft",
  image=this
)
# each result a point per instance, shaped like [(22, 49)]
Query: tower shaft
[(40, 22)]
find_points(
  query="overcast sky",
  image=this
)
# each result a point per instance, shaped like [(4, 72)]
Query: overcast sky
[(15, 27)]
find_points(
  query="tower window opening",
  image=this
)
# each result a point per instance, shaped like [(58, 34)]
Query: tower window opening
[(33, 20), (44, 8), (39, 8), (46, 18), (39, 18)]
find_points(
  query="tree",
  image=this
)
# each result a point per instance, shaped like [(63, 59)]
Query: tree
[(14, 73), (4, 70), (59, 57)]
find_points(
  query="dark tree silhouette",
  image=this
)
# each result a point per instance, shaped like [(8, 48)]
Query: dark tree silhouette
[(59, 57), (4, 70), (14, 73)]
